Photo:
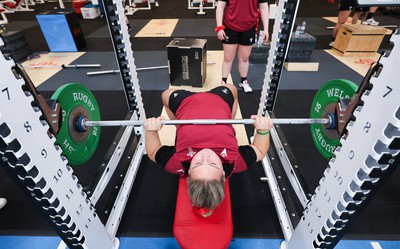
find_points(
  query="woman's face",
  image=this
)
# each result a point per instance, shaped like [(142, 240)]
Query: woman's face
[(206, 165)]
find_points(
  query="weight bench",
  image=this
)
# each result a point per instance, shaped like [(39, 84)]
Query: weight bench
[(7, 6), (11, 5), (192, 231)]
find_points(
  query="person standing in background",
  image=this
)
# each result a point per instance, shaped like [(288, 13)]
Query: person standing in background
[(236, 28), (369, 20), (345, 9)]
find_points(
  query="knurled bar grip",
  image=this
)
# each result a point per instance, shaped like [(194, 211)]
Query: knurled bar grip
[(208, 122)]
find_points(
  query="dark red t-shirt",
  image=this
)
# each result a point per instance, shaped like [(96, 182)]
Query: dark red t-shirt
[(192, 138), (241, 15)]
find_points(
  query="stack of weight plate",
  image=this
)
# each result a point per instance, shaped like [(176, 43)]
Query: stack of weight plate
[(15, 45), (301, 47), (259, 53)]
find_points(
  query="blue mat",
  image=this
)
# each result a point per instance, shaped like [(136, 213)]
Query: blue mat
[(39, 242)]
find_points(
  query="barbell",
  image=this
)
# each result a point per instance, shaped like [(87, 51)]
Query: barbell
[(64, 66), (79, 131), (85, 123)]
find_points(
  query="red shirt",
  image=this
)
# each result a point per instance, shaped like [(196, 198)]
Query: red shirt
[(241, 15), (192, 138)]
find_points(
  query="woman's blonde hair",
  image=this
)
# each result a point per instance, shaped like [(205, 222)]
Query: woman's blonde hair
[(206, 193)]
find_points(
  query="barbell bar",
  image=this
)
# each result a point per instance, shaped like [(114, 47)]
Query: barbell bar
[(65, 66), (83, 122), (114, 71)]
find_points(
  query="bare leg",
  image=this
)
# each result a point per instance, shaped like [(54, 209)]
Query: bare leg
[(243, 59), (342, 18), (372, 9), (358, 15), (229, 56), (362, 17)]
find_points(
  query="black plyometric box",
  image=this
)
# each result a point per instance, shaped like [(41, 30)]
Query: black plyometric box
[(187, 60)]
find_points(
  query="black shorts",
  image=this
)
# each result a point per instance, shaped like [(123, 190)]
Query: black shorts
[(243, 38), (350, 5), (176, 97)]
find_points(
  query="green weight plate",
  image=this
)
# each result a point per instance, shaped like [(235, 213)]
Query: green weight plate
[(324, 102), (75, 101)]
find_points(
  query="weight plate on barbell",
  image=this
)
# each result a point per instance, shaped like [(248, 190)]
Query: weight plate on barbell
[(324, 102), (76, 100)]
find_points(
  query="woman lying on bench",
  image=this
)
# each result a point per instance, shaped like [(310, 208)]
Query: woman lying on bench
[(205, 153)]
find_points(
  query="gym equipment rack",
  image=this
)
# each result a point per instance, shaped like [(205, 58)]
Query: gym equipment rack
[(27, 150)]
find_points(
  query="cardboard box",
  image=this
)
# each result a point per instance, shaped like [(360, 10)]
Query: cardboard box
[(356, 39), (187, 60), (90, 11)]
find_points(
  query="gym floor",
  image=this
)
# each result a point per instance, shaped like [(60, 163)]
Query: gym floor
[(148, 218)]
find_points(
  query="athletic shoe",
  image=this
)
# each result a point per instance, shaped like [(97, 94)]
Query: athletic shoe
[(370, 21), (157, 5), (331, 44), (246, 86), (3, 202)]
